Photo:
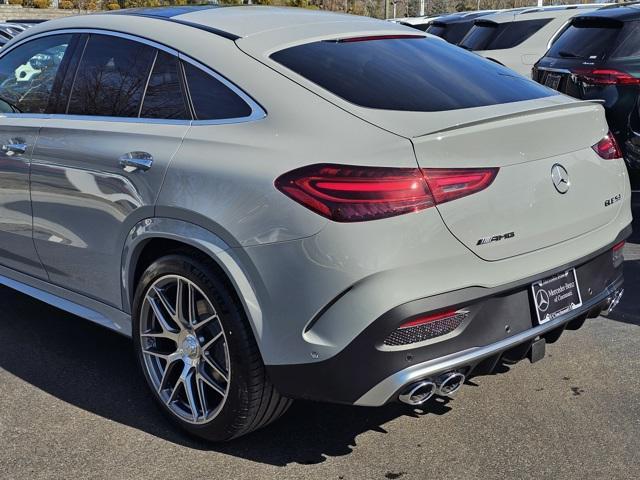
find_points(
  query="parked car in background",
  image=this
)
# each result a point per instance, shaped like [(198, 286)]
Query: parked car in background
[(455, 26), (281, 204), (517, 39), (420, 23), (597, 57), (10, 30)]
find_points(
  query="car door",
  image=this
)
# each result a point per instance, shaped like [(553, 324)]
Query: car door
[(100, 159), (27, 76)]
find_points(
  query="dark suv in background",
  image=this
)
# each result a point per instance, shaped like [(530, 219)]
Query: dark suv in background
[(597, 56)]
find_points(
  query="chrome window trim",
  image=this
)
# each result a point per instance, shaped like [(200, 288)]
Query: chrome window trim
[(559, 32), (257, 112)]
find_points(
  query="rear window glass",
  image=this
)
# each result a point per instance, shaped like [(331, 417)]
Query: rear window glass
[(629, 46), (586, 39), (412, 74), (498, 36), (436, 29), (451, 32)]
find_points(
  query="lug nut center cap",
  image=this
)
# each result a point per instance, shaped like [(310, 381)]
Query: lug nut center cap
[(190, 346)]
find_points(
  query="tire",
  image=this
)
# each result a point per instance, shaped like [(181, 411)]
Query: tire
[(231, 394)]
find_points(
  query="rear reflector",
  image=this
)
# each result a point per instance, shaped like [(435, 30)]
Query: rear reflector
[(618, 254), (426, 327), (429, 318), (353, 194), (605, 77), (608, 148)]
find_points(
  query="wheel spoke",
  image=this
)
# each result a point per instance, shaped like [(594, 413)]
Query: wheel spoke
[(201, 397), (179, 303), (164, 334), (174, 392), (203, 322), (215, 338), (171, 359), (187, 381), (158, 312), (163, 356), (216, 368), (191, 305), (217, 388), (165, 302)]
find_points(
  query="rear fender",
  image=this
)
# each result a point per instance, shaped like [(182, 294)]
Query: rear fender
[(212, 245)]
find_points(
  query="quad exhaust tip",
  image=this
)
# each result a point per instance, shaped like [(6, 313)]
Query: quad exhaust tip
[(418, 393), (446, 385), (450, 383)]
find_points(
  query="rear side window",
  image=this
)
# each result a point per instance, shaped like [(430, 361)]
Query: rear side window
[(411, 74), (111, 77), (212, 99), (586, 38), (164, 96), (498, 36)]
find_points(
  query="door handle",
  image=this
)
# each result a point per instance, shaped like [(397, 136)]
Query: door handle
[(14, 148), (136, 161)]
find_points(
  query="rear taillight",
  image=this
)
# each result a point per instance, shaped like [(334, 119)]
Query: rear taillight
[(354, 194), (600, 76), (608, 148), (447, 184)]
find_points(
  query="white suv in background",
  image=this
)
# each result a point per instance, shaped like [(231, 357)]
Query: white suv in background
[(518, 39)]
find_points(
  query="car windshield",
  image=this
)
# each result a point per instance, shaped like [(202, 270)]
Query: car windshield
[(409, 74), (586, 39)]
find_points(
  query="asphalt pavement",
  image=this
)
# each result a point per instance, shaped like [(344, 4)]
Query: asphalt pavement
[(72, 405)]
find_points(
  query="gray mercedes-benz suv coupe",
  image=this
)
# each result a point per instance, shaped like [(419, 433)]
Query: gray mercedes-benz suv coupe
[(279, 204)]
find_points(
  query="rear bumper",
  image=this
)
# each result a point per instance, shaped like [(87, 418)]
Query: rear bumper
[(501, 320)]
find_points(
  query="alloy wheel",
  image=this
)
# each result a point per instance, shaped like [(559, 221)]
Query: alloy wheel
[(184, 349)]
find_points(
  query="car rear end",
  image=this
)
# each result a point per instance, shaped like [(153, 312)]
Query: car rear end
[(516, 39), (428, 272), (597, 57)]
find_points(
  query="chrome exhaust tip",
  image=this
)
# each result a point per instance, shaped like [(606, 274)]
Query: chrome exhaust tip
[(418, 393), (613, 301), (450, 383)]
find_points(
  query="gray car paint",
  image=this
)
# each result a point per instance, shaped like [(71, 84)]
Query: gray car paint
[(16, 244), (286, 262)]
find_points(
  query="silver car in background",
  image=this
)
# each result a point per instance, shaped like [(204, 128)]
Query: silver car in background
[(281, 203)]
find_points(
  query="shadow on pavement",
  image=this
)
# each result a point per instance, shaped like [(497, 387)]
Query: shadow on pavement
[(94, 369)]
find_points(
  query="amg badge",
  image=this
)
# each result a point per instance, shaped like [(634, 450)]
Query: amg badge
[(496, 238)]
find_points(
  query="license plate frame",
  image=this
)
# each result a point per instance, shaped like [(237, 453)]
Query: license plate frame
[(552, 80), (556, 295)]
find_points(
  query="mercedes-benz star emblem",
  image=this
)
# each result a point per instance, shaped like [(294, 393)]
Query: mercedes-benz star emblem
[(560, 178), (542, 300)]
